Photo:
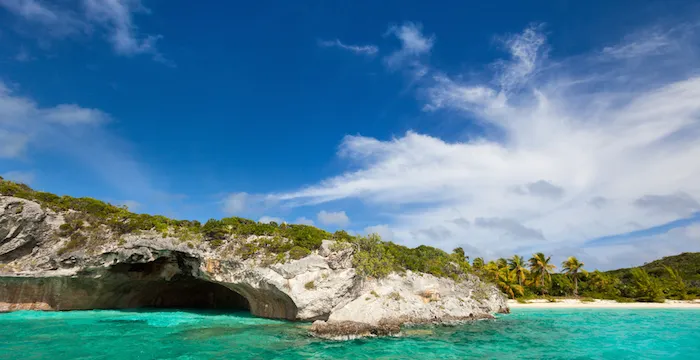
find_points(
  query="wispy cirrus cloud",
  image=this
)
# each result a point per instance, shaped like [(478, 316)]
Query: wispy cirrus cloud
[(113, 19), (653, 41), (368, 50), (596, 153), (415, 46), (54, 20)]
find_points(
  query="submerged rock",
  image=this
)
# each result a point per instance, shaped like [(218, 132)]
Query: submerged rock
[(41, 269)]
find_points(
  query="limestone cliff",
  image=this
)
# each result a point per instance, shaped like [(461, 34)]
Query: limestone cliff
[(41, 269)]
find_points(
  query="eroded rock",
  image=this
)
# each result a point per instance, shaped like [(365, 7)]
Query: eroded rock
[(152, 270)]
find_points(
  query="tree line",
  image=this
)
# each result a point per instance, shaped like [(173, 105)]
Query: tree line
[(522, 278)]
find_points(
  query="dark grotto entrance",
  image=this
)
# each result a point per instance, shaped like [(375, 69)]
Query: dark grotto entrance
[(153, 285), (187, 293)]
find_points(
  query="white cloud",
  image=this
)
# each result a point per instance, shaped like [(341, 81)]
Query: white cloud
[(333, 218), (25, 177), (115, 17), (357, 49), (383, 230), (414, 45), (584, 141), (57, 22), (12, 144), (680, 204), (69, 131), (71, 114), (540, 188), (510, 227), (303, 221), (645, 43), (268, 219), (638, 251), (236, 203), (526, 51), (23, 122)]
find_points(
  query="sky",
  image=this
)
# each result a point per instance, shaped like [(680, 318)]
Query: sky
[(505, 127)]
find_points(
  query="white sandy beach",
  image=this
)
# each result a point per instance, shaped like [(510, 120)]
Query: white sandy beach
[(576, 303)]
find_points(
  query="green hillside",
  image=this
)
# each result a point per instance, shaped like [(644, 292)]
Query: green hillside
[(687, 265)]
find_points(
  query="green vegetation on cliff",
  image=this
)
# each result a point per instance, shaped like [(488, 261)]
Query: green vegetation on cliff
[(372, 257), (674, 277)]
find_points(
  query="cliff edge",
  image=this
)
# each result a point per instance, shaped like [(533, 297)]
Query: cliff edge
[(58, 260)]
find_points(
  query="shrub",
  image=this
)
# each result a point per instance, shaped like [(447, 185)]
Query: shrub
[(280, 258), (275, 244), (76, 240), (646, 288), (247, 250), (342, 235), (306, 236), (216, 243), (298, 252), (214, 229), (371, 257), (310, 285), (395, 296), (73, 223)]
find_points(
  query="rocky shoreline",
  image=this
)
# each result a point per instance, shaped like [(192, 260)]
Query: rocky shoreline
[(148, 269), (349, 330)]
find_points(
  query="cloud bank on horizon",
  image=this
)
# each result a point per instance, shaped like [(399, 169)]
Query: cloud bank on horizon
[(580, 148)]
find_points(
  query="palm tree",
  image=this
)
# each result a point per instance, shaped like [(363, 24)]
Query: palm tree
[(677, 282), (540, 267), (507, 281), (517, 264), (573, 267), (502, 263), (491, 270)]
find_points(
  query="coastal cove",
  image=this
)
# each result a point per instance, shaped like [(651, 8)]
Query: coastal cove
[(185, 180), (525, 333)]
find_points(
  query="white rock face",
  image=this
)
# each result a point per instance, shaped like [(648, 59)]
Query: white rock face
[(143, 269), (420, 298)]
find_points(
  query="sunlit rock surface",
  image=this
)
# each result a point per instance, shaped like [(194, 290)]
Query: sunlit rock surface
[(149, 270)]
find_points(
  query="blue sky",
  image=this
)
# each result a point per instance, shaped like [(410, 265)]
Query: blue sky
[(502, 127)]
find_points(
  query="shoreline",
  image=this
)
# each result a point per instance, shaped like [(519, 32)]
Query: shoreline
[(603, 304)]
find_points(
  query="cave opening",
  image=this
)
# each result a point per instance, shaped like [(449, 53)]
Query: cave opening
[(188, 293), (143, 285)]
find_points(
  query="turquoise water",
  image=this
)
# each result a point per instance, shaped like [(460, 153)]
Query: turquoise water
[(524, 334)]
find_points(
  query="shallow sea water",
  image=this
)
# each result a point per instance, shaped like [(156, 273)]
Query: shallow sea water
[(523, 334)]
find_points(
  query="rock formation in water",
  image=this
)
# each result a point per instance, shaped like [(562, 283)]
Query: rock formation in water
[(42, 268)]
